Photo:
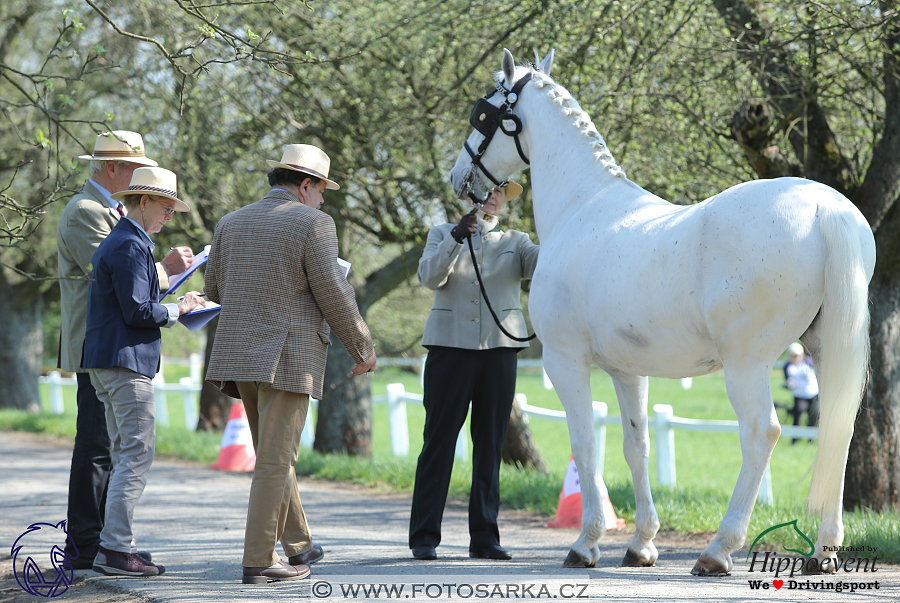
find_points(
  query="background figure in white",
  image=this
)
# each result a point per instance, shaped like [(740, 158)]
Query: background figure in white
[(800, 378)]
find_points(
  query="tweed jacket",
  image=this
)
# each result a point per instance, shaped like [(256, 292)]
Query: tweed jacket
[(460, 318), (85, 222), (123, 316), (273, 267)]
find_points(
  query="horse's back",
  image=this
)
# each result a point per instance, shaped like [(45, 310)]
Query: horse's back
[(670, 290)]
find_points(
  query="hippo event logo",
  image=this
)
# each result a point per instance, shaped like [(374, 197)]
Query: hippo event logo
[(38, 542)]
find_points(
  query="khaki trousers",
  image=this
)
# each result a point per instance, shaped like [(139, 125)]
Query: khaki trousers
[(276, 419)]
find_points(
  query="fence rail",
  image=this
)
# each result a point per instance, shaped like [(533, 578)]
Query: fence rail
[(663, 421)]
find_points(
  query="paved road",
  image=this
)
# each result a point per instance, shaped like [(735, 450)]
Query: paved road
[(192, 519)]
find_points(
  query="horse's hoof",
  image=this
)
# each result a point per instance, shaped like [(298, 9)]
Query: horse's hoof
[(574, 559), (817, 569), (707, 566), (632, 559)]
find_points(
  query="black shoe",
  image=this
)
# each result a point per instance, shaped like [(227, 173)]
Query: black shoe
[(425, 552), (309, 557), (491, 551)]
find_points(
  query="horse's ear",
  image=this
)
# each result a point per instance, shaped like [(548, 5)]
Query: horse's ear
[(508, 65), (547, 63)]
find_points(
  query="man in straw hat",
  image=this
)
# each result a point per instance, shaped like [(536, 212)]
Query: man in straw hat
[(86, 221), (272, 340), (121, 352)]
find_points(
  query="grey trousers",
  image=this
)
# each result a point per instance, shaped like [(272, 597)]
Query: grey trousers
[(130, 407)]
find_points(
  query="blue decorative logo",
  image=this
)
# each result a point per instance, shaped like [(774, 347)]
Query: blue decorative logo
[(35, 542)]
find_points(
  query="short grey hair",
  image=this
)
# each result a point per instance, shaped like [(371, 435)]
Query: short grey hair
[(98, 165)]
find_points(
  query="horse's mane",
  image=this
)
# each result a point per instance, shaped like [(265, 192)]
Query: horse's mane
[(581, 120)]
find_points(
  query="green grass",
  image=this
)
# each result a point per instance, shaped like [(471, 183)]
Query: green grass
[(707, 464)]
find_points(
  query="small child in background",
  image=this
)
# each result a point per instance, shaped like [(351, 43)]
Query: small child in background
[(800, 378)]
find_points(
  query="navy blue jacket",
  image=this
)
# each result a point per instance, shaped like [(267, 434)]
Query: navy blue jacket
[(123, 316)]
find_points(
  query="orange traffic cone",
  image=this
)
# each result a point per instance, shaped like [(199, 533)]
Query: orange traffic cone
[(237, 444), (568, 513)]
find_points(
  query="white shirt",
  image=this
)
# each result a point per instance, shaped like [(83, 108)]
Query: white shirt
[(801, 379)]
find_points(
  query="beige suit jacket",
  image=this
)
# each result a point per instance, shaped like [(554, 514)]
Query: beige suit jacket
[(273, 267), (460, 318), (85, 222)]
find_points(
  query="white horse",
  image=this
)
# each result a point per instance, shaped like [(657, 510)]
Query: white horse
[(639, 287)]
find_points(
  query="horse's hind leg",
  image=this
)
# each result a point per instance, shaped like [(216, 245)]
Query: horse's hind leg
[(751, 397), (631, 392), (571, 379)]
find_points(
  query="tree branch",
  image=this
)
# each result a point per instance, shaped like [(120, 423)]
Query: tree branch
[(792, 92)]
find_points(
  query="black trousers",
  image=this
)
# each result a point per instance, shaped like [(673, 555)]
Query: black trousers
[(453, 378), (89, 475)]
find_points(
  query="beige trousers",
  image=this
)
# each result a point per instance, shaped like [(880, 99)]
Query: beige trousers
[(276, 419)]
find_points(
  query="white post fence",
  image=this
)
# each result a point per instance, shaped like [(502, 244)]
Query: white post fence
[(663, 421)]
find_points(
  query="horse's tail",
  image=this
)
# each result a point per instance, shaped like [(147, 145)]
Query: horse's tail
[(843, 358)]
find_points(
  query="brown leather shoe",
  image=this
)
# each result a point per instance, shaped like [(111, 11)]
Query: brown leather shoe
[(279, 572), (309, 557)]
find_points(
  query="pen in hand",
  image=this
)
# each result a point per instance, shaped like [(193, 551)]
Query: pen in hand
[(182, 297)]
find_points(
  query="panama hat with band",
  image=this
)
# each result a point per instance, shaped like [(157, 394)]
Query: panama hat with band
[(156, 182), (119, 145), (307, 159)]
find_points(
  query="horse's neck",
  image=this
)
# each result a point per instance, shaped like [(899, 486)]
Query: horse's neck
[(565, 172)]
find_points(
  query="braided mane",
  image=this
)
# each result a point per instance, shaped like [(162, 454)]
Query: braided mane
[(580, 119)]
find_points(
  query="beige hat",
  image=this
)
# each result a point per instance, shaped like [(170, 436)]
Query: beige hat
[(119, 145), (795, 349), (513, 190), (155, 181), (307, 159)]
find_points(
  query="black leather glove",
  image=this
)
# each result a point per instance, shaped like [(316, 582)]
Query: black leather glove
[(467, 226)]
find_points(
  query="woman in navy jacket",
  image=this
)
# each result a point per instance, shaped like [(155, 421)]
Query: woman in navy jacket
[(121, 353)]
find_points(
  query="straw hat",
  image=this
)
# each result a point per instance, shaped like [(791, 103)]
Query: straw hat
[(155, 181), (119, 145), (307, 159), (513, 190)]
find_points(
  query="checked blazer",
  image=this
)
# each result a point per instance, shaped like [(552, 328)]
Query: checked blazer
[(273, 267), (85, 222)]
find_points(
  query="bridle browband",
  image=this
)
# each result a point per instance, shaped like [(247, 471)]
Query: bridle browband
[(486, 118)]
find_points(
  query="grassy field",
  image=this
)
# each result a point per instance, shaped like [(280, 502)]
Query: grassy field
[(707, 464)]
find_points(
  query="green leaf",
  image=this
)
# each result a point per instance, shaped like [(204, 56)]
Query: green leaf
[(43, 140), (251, 34)]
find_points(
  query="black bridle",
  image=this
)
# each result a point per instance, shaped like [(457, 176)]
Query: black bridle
[(486, 118)]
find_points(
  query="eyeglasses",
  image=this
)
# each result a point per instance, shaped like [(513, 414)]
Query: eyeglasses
[(169, 208)]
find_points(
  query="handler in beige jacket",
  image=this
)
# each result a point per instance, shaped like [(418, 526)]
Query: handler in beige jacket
[(469, 360), (273, 267)]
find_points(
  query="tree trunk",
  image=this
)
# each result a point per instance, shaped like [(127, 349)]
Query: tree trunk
[(344, 421), (873, 465), (519, 447), (215, 407), (21, 345)]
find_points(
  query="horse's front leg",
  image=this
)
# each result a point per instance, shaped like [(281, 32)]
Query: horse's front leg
[(751, 397), (570, 375), (632, 392)]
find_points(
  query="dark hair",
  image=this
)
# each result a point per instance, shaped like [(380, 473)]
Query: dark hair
[(292, 177)]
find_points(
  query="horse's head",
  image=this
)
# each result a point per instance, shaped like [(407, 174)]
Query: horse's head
[(495, 149)]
